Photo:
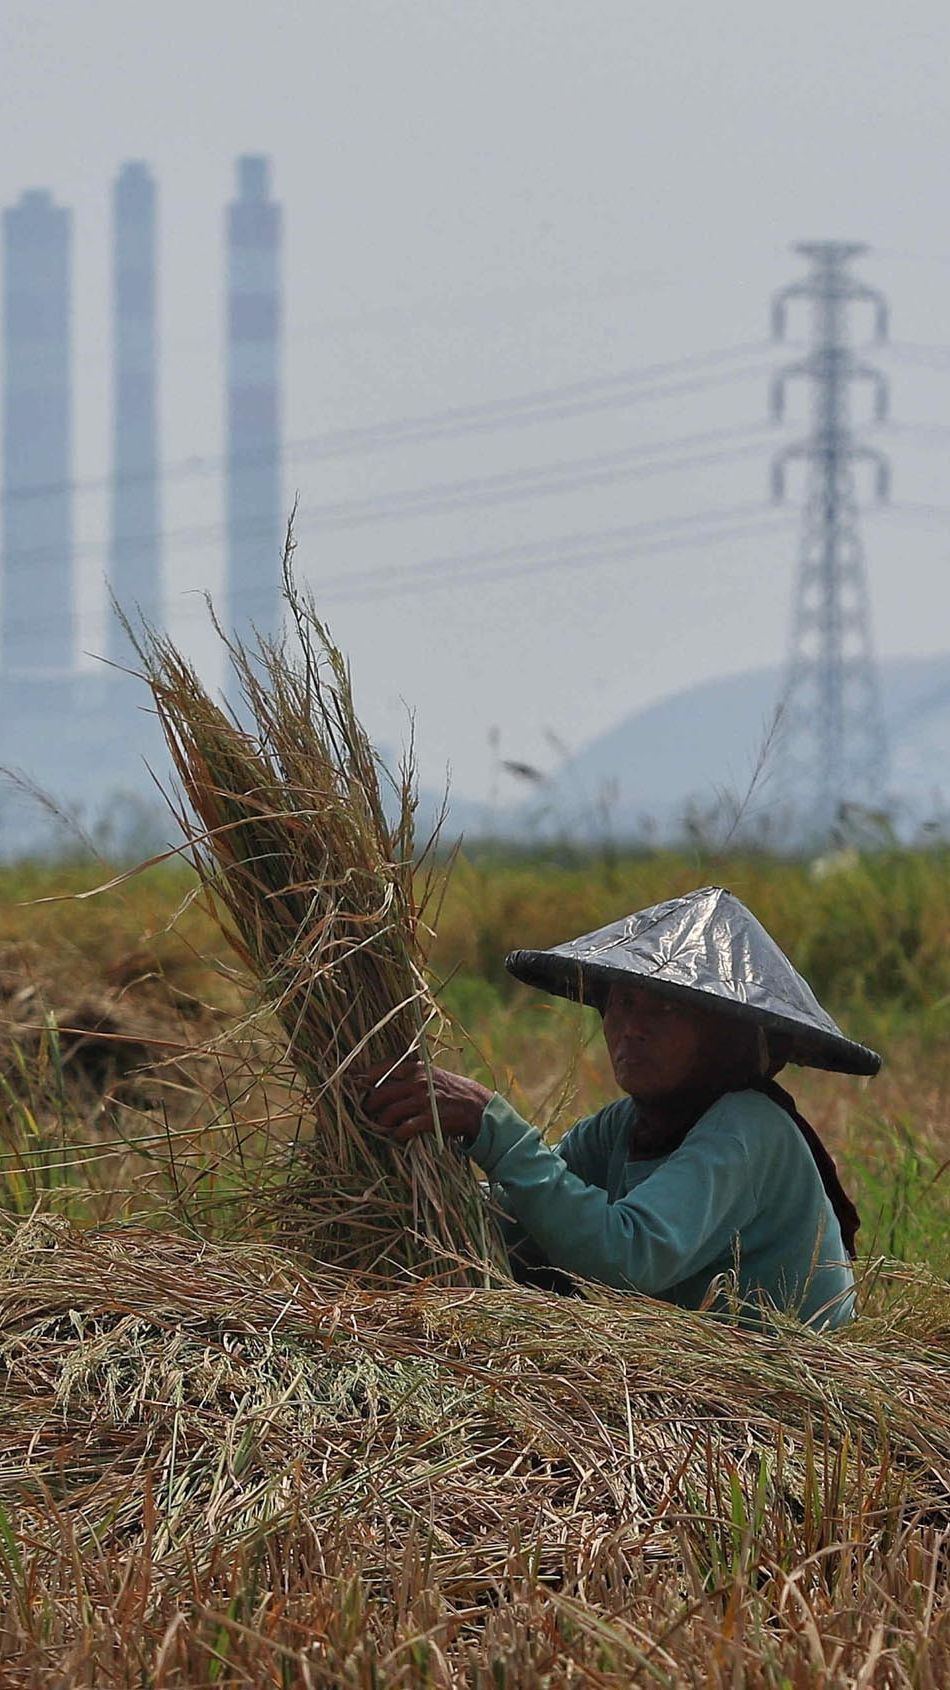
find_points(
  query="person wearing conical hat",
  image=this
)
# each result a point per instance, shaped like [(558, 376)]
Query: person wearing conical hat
[(701, 1185)]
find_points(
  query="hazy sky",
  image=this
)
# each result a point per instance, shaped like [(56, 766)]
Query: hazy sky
[(485, 198)]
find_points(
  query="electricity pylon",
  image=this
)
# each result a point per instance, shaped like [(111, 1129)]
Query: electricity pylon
[(833, 729)]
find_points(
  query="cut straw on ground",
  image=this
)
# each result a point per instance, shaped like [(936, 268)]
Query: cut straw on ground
[(175, 1410)]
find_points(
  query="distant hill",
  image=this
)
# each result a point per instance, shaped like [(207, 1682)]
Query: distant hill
[(685, 751), (84, 743), (85, 746)]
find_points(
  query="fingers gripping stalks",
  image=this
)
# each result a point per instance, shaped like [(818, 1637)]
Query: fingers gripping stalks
[(400, 1101)]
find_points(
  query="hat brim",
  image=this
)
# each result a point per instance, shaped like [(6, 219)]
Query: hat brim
[(588, 982)]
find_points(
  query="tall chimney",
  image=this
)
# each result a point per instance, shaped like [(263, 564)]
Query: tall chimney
[(135, 544), (38, 591), (255, 516)]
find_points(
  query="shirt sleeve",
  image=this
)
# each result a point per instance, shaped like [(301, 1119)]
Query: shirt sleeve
[(682, 1218), (582, 1149)]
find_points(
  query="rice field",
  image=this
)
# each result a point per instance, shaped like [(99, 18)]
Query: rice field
[(274, 1409), (225, 1462)]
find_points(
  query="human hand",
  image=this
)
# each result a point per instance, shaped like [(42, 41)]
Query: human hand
[(401, 1105)]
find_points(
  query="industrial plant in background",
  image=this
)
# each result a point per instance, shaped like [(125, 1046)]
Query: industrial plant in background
[(255, 511), (135, 560), (84, 737), (79, 737)]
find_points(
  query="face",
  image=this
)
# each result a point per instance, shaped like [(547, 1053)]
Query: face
[(656, 1046)]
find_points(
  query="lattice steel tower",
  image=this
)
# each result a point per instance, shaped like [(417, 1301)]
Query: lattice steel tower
[(834, 739)]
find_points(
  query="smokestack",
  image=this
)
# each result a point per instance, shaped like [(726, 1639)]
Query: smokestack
[(38, 602), (135, 545), (255, 516)]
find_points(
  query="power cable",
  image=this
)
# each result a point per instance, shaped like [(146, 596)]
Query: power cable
[(938, 514), (551, 404), (929, 434), (458, 569), (914, 350), (580, 560), (563, 476), (504, 491), (563, 470)]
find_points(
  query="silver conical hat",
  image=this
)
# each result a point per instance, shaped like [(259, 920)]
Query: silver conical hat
[(708, 948)]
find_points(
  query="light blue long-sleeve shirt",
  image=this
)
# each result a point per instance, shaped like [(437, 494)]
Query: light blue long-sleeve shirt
[(741, 1195)]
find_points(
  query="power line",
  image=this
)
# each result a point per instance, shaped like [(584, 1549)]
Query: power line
[(929, 434), (593, 472), (581, 542), (579, 560), (889, 253), (714, 526), (938, 514), (546, 405), (543, 481), (917, 350)]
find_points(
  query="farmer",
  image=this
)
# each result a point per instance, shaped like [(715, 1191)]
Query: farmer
[(702, 1185)]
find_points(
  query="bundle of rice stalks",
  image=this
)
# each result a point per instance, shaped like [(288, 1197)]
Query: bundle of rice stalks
[(316, 888)]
